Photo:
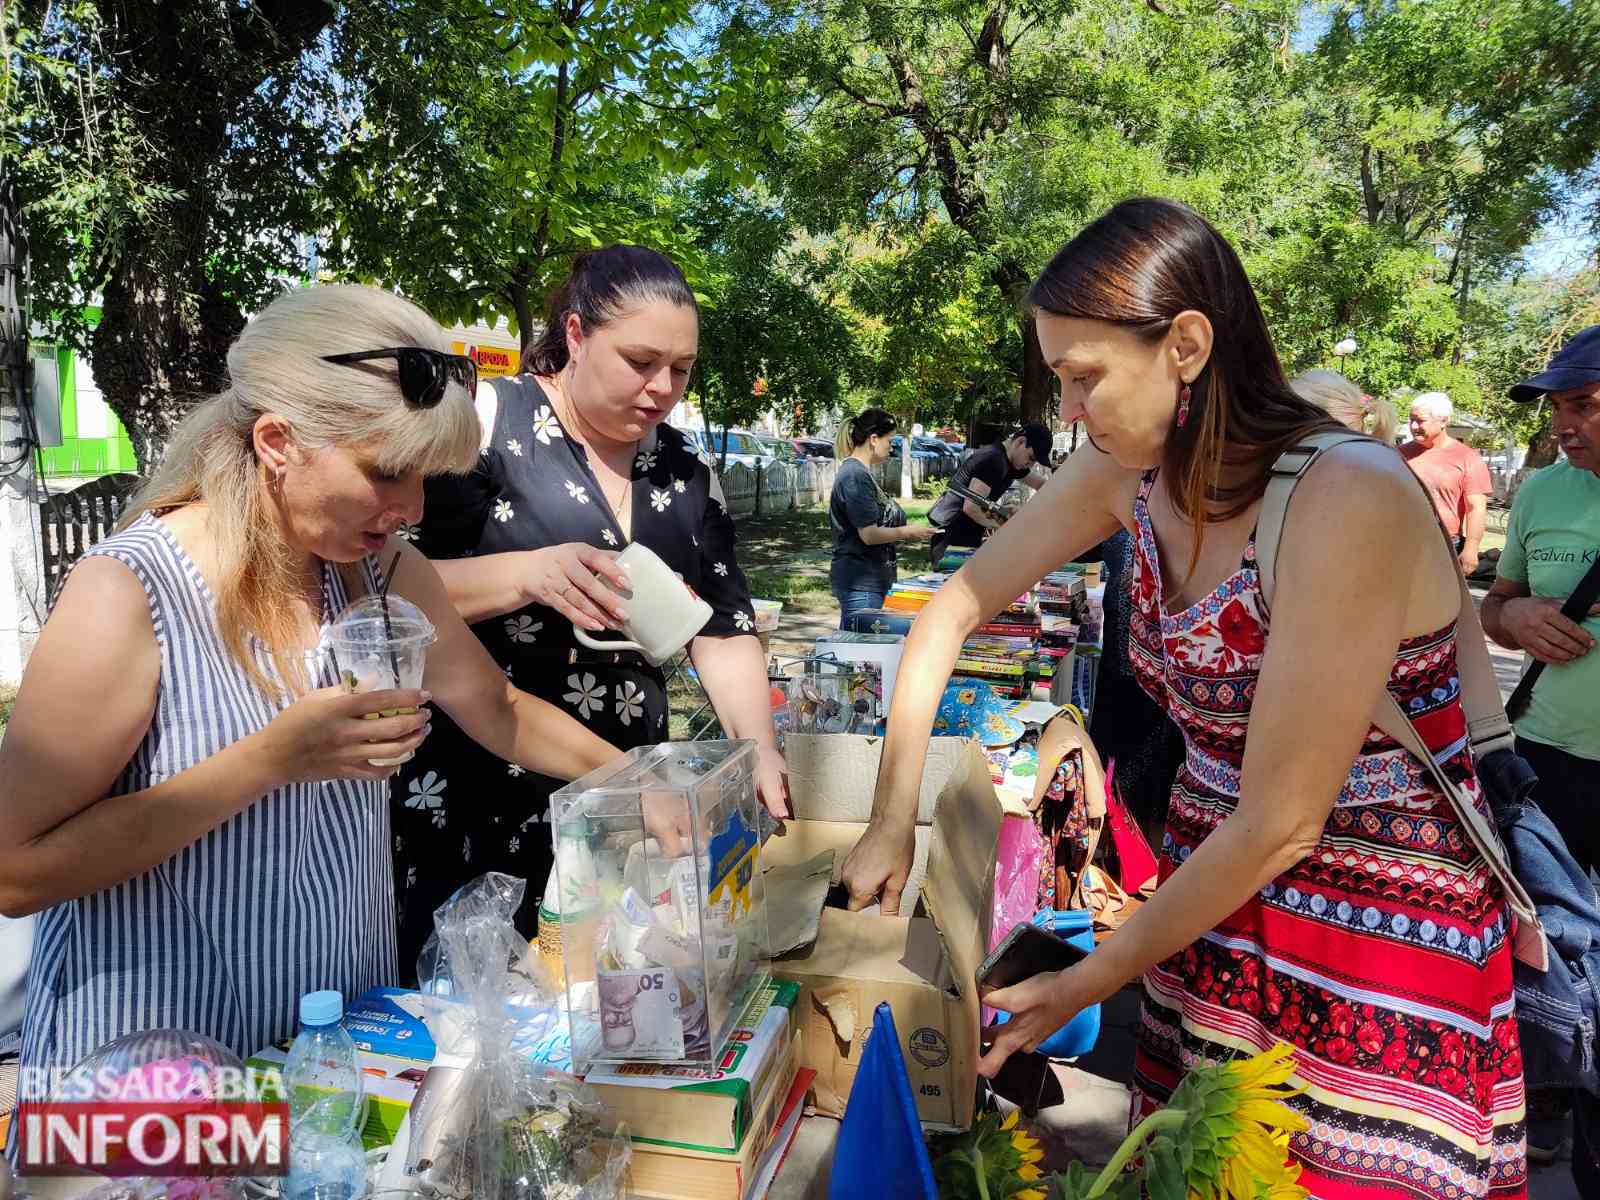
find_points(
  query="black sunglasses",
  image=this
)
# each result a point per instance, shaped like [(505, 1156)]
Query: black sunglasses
[(424, 373)]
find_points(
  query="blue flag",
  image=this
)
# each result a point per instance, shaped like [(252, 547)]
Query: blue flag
[(881, 1152)]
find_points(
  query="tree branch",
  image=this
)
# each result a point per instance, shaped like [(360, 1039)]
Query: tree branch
[(868, 102), (1369, 190)]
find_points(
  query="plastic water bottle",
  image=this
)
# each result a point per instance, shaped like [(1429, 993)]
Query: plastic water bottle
[(323, 1079)]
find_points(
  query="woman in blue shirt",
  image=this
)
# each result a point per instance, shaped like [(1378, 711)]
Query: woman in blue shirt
[(867, 525)]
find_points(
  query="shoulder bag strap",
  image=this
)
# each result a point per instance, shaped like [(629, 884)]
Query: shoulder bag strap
[(1487, 727), (1575, 608)]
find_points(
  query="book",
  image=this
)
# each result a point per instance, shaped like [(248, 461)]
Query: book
[(388, 1083), (662, 1173), (689, 1106), (794, 1106)]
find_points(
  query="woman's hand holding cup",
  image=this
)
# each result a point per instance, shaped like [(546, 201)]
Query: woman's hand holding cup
[(333, 734), (580, 582)]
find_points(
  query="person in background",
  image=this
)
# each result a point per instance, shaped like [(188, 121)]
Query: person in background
[(1346, 403), (987, 472), (575, 461), (1552, 542), (867, 525), (1315, 885), (1454, 474), (187, 793)]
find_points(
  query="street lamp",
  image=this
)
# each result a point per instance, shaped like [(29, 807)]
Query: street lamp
[(1347, 346)]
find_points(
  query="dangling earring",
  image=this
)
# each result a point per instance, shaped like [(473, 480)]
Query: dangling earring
[(1183, 406)]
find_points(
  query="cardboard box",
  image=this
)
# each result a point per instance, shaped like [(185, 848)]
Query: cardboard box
[(689, 1106), (922, 964)]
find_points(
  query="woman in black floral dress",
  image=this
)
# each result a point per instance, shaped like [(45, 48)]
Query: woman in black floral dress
[(577, 462)]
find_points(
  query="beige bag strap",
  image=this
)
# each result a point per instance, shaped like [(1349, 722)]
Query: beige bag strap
[(1487, 727)]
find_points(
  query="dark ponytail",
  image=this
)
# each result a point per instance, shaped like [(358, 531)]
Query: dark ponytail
[(868, 423), (603, 285)]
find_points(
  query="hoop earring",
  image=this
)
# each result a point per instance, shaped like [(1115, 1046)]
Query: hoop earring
[(1183, 406)]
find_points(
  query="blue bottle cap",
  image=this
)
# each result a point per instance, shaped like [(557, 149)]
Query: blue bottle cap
[(321, 1008)]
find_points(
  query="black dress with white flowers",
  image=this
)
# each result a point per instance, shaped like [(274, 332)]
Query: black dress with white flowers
[(459, 811)]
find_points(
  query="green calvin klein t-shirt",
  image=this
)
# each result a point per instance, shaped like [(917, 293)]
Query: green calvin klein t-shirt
[(1551, 544)]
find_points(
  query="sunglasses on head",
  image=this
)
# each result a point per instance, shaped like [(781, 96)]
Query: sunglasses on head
[(424, 373)]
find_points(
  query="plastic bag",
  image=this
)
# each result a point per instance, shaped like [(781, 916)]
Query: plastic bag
[(173, 1067), (489, 1123)]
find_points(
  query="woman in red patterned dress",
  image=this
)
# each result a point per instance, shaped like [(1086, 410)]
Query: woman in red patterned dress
[(1315, 887)]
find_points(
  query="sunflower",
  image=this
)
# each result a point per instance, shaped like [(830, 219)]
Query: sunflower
[(1247, 1143), (1224, 1135), (1029, 1156), (996, 1160)]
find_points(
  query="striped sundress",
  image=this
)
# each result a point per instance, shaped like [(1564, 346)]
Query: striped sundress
[(1382, 956), (293, 894)]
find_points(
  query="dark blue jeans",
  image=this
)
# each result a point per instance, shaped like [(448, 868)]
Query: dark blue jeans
[(854, 601)]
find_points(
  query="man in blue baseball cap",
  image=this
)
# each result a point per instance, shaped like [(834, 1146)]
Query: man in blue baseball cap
[(1552, 548)]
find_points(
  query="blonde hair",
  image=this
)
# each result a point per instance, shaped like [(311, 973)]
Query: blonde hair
[(276, 366), (1346, 403)]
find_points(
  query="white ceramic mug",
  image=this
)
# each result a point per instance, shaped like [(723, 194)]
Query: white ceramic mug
[(663, 613)]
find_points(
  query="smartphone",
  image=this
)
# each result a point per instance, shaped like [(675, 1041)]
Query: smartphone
[(1027, 951)]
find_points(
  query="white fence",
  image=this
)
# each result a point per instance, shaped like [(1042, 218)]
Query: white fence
[(758, 491)]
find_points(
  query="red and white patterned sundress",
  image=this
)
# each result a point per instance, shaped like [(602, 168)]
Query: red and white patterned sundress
[(1383, 956)]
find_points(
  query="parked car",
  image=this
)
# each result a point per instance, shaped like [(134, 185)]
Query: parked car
[(812, 447), (897, 446), (743, 447), (781, 449), (940, 448)]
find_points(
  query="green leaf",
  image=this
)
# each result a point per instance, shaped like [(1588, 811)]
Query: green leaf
[(1163, 1171)]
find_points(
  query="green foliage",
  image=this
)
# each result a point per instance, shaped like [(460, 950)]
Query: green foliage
[(162, 152), (926, 323), (768, 313), (483, 145)]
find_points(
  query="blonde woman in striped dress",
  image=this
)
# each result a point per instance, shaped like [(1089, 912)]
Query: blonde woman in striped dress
[(186, 798)]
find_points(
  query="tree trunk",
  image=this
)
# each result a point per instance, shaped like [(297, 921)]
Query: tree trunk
[(1542, 446), (160, 347), (522, 304), (907, 488)]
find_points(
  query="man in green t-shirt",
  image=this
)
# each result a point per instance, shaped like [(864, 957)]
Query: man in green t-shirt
[(1553, 541)]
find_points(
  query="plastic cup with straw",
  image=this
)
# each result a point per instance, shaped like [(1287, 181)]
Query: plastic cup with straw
[(378, 643)]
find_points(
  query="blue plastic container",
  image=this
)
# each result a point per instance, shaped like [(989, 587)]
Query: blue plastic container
[(1078, 1035)]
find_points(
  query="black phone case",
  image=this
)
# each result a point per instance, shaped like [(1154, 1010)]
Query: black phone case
[(1027, 951)]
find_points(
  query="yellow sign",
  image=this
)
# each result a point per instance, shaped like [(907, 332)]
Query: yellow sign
[(492, 360)]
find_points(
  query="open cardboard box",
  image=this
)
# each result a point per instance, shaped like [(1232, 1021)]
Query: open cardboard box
[(922, 963)]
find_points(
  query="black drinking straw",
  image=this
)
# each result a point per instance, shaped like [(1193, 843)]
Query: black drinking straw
[(388, 629)]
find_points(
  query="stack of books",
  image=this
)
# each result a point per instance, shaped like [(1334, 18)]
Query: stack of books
[(1003, 661), (719, 1132), (912, 595)]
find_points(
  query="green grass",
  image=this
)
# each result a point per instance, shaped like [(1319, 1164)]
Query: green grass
[(8, 697), (785, 557)]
